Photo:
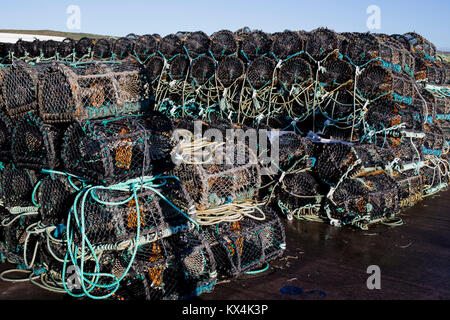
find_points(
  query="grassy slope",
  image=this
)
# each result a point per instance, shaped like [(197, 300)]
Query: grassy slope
[(72, 35)]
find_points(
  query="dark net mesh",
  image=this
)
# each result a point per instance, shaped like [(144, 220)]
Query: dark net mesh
[(179, 267), (337, 73), (223, 43), (102, 48), (49, 49), (111, 216), (197, 43), (246, 244), (410, 186), (203, 68), (294, 150), (260, 72), (17, 185), (83, 47), (66, 47), (230, 69), (295, 71), (321, 42), (179, 67), (285, 44), (123, 47), (36, 145), (20, 87), (5, 137), (115, 150), (154, 67), (255, 44), (170, 46), (233, 174), (92, 91), (145, 45)]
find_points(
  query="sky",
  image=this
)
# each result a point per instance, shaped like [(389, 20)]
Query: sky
[(429, 18)]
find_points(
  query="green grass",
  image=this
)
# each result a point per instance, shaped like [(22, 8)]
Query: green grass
[(73, 35)]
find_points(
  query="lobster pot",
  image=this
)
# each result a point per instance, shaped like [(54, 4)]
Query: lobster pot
[(434, 142), (429, 70), (197, 43), (179, 267), (419, 44), (5, 137), (260, 72), (14, 235), (95, 90), (170, 46), (394, 55), (223, 43), (35, 144), (17, 185), (295, 74), (337, 159), (55, 196), (299, 196), (229, 71), (406, 149), (435, 178), (383, 115), (246, 244), (377, 82), (254, 44), (112, 216), (101, 49), (202, 70), (338, 74), (438, 108), (66, 48), (232, 174), (114, 150), (20, 87), (363, 201), (410, 187), (295, 152), (285, 44), (321, 42)]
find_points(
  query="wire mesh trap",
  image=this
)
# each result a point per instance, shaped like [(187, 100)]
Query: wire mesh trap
[(17, 185), (170, 46), (255, 44), (92, 91), (19, 87), (410, 184), (36, 145), (285, 44), (247, 244), (231, 174), (320, 42), (363, 201), (299, 196), (115, 150), (114, 217), (5, 137), (223, 43), (179, 267)]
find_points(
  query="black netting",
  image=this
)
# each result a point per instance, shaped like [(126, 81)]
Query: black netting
[(102, 48), (285, 44), (293, 148), (145, 45), (112, 151), (49, 49), (255, 44), (20, 87), (410, 184), (246, 244), (295, 71), (321, 42), (229, 70), (197, 43), (5, 137), (223, 43), (260, 72), (66, 47), (154, 67), (179, 267), (95, 90), (337, 72), (17, 185), (122, 48), (36, 145), (203, 68), (170, 46), (83, 47), (111, 216), (179, 67)]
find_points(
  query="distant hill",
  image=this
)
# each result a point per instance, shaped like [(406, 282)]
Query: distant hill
[(73, 35)]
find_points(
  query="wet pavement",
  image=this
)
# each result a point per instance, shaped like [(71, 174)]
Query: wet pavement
[(324, 262)]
